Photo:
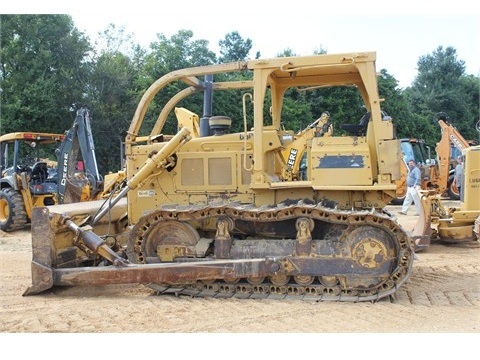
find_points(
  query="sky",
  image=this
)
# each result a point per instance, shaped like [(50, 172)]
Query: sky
[(400, 34)]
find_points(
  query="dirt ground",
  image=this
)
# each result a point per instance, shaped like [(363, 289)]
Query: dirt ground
[(441, 296)]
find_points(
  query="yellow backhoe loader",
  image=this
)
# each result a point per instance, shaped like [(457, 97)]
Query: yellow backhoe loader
[(29, 178), (437, 173)]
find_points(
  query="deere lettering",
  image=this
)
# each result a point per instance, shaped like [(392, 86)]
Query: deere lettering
[(292, 157), (64, 172)]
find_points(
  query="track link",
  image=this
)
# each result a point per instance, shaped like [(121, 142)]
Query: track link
[(354, 223)]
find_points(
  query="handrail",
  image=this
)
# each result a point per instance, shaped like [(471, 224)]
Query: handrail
[(245, 131)]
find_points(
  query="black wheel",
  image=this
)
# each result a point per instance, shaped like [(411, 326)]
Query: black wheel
[(12, 210), (397, 201), (452, 190)]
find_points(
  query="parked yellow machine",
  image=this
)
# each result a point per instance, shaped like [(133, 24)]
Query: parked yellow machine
[(461, 224), (28, 179), (442, 176), (454, 224), (263, 212), (438, 172), (85, 184)]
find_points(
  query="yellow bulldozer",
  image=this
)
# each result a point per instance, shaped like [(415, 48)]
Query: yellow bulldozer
[(259, 212)]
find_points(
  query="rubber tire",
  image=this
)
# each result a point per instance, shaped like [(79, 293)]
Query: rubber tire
[(15, 216), (397, 201), (452, 193)]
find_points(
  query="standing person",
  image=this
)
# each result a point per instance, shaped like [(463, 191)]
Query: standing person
[(414, 179), (459, 175)]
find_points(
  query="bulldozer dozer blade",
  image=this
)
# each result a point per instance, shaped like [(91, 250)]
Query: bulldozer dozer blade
[(49, 229), (164, 273), (42, 279), (46, 230), (42, 259)]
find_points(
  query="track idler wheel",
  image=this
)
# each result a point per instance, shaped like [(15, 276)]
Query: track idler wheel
[(256, 280), (304, 280), (328, 281), (279, 280), (164, 241)]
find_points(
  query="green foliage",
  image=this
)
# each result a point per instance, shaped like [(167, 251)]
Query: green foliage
[(343, 103), (48, 68), (442, 86), (166, 55), (395, 104), (234, 48), (286, 53), (44, 68), (112, 101)]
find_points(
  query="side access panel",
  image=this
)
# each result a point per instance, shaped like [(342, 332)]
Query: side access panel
[(341, 161)]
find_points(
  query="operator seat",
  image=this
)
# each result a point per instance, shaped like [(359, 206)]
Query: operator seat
[(359, 129), (39, 172)]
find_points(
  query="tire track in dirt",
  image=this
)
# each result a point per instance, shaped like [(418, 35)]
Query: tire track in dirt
[(454, 285), (441, 295)]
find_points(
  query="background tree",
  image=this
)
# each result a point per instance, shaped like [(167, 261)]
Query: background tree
[(47, 65), (112, 95), (44, 68), (166, 55), (395, 104), (442, 86), (234, 48)]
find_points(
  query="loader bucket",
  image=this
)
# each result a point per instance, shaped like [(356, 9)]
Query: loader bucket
[(448, 233), (459, 226)]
